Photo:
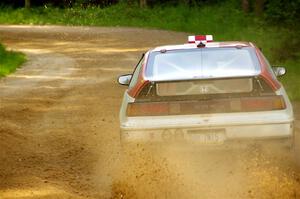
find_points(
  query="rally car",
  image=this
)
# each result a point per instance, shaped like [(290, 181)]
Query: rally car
[(205, 92)]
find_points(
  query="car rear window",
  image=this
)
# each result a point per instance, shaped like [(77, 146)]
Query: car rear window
[(220, 86), (205, 89), (202, 63)]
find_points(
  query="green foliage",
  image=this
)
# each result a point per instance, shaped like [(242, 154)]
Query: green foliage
[(283, 11), (291, 80), (224, 20), (9, 61)]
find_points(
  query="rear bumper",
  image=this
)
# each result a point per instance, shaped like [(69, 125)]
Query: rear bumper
[(200, 134)]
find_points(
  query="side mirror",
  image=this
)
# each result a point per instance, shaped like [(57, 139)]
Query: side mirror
[(124, 79), (279, 71)]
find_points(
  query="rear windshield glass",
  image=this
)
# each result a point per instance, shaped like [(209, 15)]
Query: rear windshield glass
[(202, 63), (197, 87)]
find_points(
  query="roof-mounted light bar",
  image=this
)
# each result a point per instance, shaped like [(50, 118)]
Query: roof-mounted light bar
[(200, 38)]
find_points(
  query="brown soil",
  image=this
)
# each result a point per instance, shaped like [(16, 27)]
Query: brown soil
[(59, 134)]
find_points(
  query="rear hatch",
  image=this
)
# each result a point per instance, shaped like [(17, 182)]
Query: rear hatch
[(222, 95), (203, 81)]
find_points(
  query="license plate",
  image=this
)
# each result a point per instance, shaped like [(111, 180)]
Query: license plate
[(210, 136)]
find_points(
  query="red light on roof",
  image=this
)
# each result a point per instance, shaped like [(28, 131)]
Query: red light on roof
[(200, 38)]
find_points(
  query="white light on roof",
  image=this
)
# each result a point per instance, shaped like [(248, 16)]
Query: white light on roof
[(209, 38), (200, 38)]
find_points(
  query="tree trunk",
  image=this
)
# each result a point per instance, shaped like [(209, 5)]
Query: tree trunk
[(27, 4), (245, 6), (259, 7), (143, 3)]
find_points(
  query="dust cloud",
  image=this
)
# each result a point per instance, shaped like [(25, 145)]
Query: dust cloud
[(181, 170)]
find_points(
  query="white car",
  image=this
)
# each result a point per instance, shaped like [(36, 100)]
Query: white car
[(205, 92)]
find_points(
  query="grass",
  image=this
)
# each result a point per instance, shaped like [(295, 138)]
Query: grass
[(9, 61), (224, 20), (291, 80)]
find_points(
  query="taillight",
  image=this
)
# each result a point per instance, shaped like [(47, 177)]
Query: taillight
[(228, 105), (263, 103), (147, 109)]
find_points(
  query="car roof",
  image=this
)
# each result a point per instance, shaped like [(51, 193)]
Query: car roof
[(263, 64), (234, 44)]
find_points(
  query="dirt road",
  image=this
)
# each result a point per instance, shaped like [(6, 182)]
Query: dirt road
[(59, 128)]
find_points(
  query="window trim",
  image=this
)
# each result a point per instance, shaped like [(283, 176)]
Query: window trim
[(137, 68)]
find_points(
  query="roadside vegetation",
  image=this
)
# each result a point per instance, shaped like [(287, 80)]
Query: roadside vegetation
[(9, 61), (275, 31)]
